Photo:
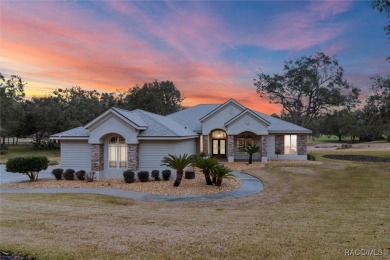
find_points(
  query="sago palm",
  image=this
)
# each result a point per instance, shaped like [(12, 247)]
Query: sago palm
[(250, 149), (221, 172), (206, 164), (178, 163)]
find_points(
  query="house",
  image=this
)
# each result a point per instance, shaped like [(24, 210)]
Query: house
[(138, 140)]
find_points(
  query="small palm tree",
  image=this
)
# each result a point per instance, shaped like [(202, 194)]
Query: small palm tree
[(178, 163), (221, 172), (250, 149), (206, 164)]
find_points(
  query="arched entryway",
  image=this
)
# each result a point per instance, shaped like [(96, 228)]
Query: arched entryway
[(218, 143)]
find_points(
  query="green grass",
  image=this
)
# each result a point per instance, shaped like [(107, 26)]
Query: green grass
[(306, 211), (27, 150)]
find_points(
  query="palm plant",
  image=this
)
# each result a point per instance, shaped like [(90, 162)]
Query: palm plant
[(206, 164), (250, 149), (221, 172), (178, 163)]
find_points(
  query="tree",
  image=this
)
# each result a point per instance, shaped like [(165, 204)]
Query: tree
[(11, 99), (206, 164), (31, 166), (250, 149), (162, 98), (339, 123), (308, 87), (221, 172), (383, 6), (178, 163)]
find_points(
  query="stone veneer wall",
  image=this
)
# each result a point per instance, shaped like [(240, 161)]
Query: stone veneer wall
[(230, 145), (302, 144), (97, 158), (279, 143), (264, 146), (133, 157), (206, 144)]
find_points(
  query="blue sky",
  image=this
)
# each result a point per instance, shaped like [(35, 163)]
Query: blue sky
[(211, 50)]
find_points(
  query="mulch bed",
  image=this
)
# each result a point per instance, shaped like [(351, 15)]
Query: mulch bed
[(360, 158)]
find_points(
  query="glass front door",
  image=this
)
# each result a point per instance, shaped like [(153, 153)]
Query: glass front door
[(219, 147)]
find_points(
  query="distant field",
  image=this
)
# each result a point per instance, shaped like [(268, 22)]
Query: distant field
[(306, 211), (27, 150)]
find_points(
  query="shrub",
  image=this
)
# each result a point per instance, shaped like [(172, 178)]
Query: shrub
[(90, 176), (311, 157), (166, 174), (80, 175), (31, 166), (155, 175), (143, 176), (128, 176), (57, 173), (68, 174), (3, 149)]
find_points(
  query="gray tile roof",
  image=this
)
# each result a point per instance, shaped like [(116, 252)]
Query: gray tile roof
[(131, 115), (161, 126), (75, 132), (185, 123), (190, 117)]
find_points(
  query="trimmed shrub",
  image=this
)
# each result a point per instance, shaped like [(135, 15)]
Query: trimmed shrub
[(68, 174), (31, 166), (128, 176), (57, 173), (155, 175), (166, 174), (311, 157), (80, 175), (143, 176)]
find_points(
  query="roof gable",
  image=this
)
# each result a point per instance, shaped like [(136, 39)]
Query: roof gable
[(247, 112), (127, 116), (221, 107)]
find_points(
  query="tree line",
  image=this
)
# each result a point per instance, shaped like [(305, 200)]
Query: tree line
[(63, 109)]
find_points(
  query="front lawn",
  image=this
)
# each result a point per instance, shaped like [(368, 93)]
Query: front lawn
[(23, 150), (306, 211)]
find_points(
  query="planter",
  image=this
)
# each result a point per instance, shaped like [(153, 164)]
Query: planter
[(189, 175)]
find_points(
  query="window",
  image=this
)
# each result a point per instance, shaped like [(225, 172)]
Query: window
[(290, 144), (244, 140), (218, 135), (117, 152)]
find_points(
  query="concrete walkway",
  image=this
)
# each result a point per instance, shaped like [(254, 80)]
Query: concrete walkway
[(250, 185)]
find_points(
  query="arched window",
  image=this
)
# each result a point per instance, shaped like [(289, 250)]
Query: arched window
[(244, 140), (218, 134), (117, 152)]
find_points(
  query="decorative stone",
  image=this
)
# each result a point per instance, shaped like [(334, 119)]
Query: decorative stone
[(264, 146), (302, 144), (97, 157), (133, 156), (206, 144), (230, 146), (279, 143)]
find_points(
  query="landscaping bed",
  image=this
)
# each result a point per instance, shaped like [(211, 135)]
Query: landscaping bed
[(196, 186), (356, 157)]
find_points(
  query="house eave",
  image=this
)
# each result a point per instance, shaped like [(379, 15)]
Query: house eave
[(69, 137), (167, 137)]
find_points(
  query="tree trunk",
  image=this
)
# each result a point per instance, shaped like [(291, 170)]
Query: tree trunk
[(219, 182), (214, 179), (339, 136), (250, 159), (207, 177), (179, 176)]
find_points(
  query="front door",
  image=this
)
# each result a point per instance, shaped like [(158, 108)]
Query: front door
[(219, 147)]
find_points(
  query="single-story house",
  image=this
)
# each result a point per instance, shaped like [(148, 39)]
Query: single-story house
[(120, 139)]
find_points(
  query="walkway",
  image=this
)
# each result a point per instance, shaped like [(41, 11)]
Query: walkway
[(250, 185)]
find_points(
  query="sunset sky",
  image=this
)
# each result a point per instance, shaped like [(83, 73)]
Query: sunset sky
[(211, 50)]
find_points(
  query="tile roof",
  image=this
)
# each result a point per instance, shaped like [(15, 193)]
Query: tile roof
[(75, 132), (190, 117), (185, 123)]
